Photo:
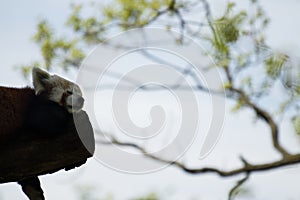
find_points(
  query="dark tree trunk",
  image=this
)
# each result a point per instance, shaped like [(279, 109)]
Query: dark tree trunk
[(31, 154)]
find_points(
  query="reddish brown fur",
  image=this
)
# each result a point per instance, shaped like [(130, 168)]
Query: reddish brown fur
[(13, 105)]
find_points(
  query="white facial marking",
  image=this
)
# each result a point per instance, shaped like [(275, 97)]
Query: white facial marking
[(65, 93), (56, 95), (58, 89)]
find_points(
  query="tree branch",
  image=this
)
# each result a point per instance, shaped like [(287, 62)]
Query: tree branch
[(288, 159), (266, 117), (32, 188), (30, 155), (259, 111), (237, 186)]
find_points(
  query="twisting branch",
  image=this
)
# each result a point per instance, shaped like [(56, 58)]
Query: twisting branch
[(288, 159), (266, 117), (244, 97), (259, 111)]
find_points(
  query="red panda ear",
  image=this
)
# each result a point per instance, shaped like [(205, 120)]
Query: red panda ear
[(40, 79)]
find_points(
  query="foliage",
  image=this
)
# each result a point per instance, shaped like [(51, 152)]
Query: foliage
[(151, 196), (250, 73), (55, 51), (296, 123), (86, 192), (274, 65), (130, 14)]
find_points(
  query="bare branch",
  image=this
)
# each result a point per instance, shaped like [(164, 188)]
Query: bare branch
[(266, 117), (237, 186), (288, 159)]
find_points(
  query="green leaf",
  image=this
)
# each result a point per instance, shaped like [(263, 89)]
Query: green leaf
[(274, 64), (296, 123), (239, 104)]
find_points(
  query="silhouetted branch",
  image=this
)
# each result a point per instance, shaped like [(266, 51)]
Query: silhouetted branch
[(32, 188), (237, 186), (288, 159), (30, 155), (266, 117)]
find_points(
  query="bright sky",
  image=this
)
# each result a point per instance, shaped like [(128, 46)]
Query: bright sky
[(17, 22)]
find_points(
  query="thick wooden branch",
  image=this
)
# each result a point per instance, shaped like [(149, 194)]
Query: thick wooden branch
[(32, 154), (32, 188)]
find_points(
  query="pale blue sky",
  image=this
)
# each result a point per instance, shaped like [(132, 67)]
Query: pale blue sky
[(18, 20)]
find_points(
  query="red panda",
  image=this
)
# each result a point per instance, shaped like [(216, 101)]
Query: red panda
[(44, 109)]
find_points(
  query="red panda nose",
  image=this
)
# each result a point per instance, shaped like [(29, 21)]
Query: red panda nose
[(80, 101)]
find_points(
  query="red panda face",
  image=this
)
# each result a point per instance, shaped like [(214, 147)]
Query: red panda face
[(57, 89)]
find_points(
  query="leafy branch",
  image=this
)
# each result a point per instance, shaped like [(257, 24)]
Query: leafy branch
[(223, 36)]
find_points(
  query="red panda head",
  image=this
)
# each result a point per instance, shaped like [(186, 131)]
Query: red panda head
[(58, 89)]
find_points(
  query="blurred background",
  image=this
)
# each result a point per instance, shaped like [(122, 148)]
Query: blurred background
[(253, 43)]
